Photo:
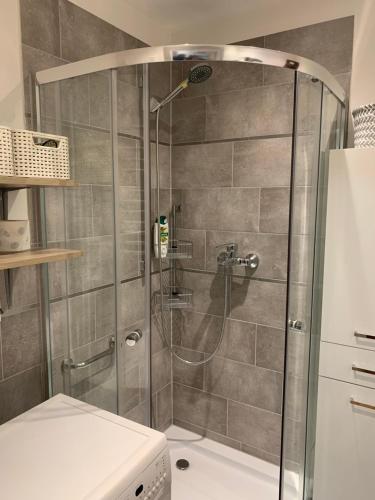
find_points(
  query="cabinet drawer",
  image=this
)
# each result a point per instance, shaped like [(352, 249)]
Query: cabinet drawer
[(337, 361), (345, 443)]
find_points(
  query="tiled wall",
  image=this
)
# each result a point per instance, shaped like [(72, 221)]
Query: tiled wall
[(55, 32), (231, 159)]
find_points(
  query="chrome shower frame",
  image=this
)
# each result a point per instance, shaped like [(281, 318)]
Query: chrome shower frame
[(174, 53), (187, 52)]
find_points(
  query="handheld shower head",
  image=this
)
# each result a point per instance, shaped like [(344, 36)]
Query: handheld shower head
[(197, 74)]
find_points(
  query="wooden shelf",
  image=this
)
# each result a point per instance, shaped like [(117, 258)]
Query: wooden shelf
[(37, 256), (16, 182)]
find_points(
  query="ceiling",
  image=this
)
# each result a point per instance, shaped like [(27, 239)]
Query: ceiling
[(180, 14)]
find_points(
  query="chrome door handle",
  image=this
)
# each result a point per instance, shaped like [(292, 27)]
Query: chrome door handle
[(364, 336), (362, 370), (353, 402), (133, 337)]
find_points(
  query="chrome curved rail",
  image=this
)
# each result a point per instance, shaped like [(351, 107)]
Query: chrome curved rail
[(68, 364), (168, 53)]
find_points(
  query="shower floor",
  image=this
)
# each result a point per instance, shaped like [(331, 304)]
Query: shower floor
[(218, 472)]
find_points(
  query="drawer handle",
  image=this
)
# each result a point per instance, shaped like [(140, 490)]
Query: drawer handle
[(353, 402), (364, 336), (362, 370)]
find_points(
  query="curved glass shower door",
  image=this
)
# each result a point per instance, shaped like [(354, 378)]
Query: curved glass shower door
[(243, 166), (318, 128), (97, 301)]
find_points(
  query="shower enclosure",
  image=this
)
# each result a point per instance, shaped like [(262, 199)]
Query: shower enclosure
[(238, 165)]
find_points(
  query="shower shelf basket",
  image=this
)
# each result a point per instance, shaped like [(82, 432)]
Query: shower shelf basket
[(180, 249), (175, 297)]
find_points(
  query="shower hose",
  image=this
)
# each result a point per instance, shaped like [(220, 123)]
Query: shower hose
[(227, 277)]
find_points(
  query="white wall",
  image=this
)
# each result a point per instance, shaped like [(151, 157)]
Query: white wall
[(11, 85)]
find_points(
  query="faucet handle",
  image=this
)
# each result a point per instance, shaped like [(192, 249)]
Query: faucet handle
[(231, 248)]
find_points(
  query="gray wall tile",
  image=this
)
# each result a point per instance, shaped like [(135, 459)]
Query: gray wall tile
[(198, 238), (188, 120), (262, 163), (21, 342), (79, 212), (130, 165), (164, 407), (238, 341), (202, 165), (221, 208), (274, 210), (82, 319), (59, 334), (105, 312), (258, 302), (20, 393), (198, 331), (270, 348), (247, 113), (188, 374), (202, 409), (40, 25), (99, 94), (255, 427), (208, 292), (220, 438), (91, 155), (132, 302), (245, 383), (329, 44), (74, 94), (160, 370), (95, 268), (102, 210), (129, 108), (97, 37)]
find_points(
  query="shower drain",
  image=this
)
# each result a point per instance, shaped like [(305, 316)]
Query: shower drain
[(182, 464)]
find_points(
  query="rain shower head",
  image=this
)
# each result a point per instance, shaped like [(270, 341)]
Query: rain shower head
[(197, 74)]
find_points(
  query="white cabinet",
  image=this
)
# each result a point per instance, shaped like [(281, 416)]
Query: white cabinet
[(345, 438), (349, 277), (344, 460)]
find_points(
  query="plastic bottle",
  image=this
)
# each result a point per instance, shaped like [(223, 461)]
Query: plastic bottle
[(164, 237)]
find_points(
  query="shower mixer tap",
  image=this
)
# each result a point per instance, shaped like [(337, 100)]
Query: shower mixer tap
[(229, 257)]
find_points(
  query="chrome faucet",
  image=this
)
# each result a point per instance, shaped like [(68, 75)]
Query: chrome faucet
[(229, 257)]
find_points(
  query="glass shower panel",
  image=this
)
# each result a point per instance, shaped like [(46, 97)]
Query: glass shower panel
[(318, 128), (307, 125), (133, 322), (333, 116), (82, 293)]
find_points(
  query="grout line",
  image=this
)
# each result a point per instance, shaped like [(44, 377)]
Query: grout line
[(235, 139), (5, 379), (230, 400)]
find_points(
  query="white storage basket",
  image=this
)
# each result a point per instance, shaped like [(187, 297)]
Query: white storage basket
[(364, 126), (6, 152), (33, 158)]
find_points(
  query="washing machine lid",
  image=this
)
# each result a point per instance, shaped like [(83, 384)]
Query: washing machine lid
[(65, 449)]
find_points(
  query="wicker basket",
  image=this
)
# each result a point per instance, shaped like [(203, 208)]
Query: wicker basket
[(6, 152), (364, 126), (34, 158)]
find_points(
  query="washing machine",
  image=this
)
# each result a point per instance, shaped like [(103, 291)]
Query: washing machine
[(65, 449)]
